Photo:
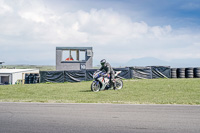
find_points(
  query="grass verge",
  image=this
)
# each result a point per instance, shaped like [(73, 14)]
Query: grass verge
[(150, 91)]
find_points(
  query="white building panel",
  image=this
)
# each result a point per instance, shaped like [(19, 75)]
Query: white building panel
[(16, 74)]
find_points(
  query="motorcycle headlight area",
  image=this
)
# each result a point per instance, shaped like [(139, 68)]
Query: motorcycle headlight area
[(96, 75)]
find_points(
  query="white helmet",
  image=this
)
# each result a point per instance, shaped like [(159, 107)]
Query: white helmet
[(103, 62)]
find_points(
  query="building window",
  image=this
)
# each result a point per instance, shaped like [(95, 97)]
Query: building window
[(82, 55), (73, 55), (65, 55)]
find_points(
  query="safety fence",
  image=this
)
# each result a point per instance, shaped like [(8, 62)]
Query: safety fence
[(76, 75), (149, 72)]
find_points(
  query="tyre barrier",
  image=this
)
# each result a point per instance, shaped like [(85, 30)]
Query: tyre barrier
[(26, 78), (31, 78), (173, 72), (189, 72), (36, 78), (197, 72), (185, 72), (180, 72)]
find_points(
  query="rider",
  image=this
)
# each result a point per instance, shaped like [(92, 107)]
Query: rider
[(109, 71)]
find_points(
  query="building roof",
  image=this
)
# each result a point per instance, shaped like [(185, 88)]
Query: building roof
[(16, 70), (1, 62), (73, 48)]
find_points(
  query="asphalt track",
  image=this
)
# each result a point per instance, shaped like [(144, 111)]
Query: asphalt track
[(98, 118)]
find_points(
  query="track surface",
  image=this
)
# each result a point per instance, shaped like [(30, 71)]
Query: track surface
[(98, 118)]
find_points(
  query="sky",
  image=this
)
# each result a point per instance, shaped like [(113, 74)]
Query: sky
[(118, 30)]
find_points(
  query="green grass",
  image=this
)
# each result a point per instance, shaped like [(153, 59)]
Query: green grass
[(40, 67), (151, 91)]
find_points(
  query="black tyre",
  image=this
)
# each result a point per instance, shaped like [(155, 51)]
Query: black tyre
[(36, 78), (119, 84), (180, 72), (95, 86), (189, 72), (197, 72), (197, 75), (197, 69), (31, 79), (173, 72), (26, 78)]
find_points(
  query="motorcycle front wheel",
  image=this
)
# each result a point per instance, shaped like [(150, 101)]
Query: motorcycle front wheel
[(119, 84), (95, 86)]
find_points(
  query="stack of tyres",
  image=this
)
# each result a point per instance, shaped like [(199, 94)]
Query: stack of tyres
[(180, 72), (36, 78), (173, 72), (189, 73), (26, 78), (197, 72), (30, 78)]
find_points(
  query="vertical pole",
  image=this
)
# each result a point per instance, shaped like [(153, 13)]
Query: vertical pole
[(23, 78), (77, 55), (10, 79), (63, 76)]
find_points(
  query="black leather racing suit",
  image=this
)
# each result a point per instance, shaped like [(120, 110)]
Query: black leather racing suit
[(108, 69)]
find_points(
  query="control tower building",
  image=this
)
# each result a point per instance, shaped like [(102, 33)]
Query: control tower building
[(74, 58)]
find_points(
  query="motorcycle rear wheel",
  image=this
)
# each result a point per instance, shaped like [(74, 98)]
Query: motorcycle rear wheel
[(119, 84), (95, 86)]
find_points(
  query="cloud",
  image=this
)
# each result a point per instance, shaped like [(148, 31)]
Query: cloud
[(4, 8), (191, 5), (32, 28)]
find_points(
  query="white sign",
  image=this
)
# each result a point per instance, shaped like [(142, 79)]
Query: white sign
[(83, 66)]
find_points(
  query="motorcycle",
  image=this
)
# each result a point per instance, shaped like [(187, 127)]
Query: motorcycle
[(102, 81)]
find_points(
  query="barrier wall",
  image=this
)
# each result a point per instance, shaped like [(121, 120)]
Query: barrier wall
[(87, 75), (76, 75), (125, 72), (161, 72), (141, 72), (151, 72)]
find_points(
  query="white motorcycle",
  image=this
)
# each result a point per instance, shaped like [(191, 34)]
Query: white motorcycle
[(102, 81)]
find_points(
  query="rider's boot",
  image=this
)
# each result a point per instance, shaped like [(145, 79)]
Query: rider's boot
[(111, 85), (114, 85)]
